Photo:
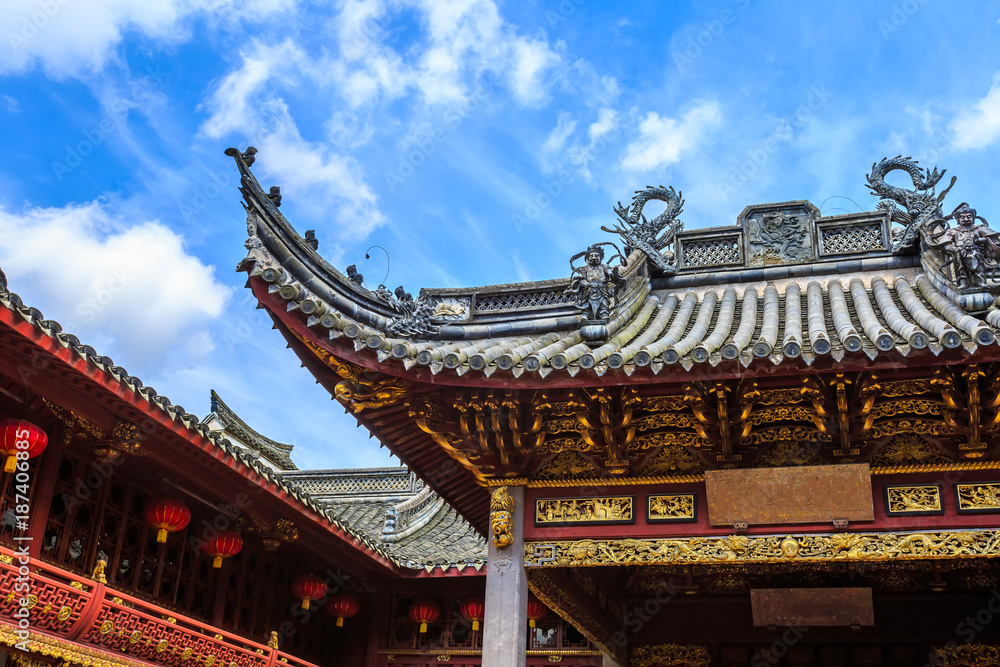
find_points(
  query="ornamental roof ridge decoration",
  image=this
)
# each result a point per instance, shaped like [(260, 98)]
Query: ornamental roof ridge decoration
[(277, 453), (772, 287)]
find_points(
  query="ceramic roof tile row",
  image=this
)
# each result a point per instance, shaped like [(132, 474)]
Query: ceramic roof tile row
[(837, 316)]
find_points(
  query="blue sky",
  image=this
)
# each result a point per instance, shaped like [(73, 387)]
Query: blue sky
[(477, 142)]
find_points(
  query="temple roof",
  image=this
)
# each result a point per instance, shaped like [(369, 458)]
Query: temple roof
[(784, 286), (394, 507), (424, 548), (223, 418)]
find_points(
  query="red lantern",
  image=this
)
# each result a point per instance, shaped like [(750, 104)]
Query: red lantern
[(474, 610), (227, 543), (308, 587), (168, 516), (343, 605), (18, 435), (423, 612), (536, 610)]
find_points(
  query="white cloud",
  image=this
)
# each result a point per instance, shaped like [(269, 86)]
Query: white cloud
[(10, 104), (129, 289), (663, 141), (555, 143), (980, 126), (74, 37)]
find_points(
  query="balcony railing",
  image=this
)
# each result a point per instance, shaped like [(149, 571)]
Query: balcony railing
[(65, 607)]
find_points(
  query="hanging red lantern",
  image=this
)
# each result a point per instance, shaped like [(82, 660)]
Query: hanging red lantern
[(423, 612), (343, 605), (227, 543), (474, 610), (536, 610), (167, 516), (308, 587), (19, 435)]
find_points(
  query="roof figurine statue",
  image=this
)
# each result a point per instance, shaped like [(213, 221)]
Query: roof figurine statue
[(652, 237), (968, 253), (596, 284), (921, 204)]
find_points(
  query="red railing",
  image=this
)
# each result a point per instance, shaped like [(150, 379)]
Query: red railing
[(66, 606)]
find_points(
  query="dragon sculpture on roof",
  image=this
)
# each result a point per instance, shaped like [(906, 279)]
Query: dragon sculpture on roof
[(919, 205), (652, 237)]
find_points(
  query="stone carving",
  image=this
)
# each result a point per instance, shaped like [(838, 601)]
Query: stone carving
[(414, 315), (779, 237), (919, 205), (311, 239), (652, 237), (501, 517), (354, 276), (595, 284), (968, 253), (275, 195)]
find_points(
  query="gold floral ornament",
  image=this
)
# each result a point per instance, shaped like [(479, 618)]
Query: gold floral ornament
[(187, 653), (501, 517), (272, 641), (107, 626), (135, 637), (162, 645), (64, 613)]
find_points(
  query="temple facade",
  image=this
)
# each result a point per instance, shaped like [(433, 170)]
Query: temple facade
[(768, 443)]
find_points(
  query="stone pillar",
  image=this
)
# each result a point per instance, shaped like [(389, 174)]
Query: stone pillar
[(505, 626)]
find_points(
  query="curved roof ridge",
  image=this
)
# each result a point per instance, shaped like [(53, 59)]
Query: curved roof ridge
[(276, 452)]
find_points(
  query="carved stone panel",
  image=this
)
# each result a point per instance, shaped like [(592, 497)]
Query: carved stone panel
[(810, 607), (780, 233), (806, 494)]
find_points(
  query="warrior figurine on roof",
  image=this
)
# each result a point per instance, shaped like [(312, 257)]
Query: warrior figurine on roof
[(972, 251), (595, 284)]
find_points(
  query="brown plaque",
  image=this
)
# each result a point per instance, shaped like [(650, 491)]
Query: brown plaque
[(808, 607), (807, 494)]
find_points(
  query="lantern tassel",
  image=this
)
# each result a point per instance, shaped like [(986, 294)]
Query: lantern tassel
[(423, 628), (161, 535), (305, 604), (531, 623), (217, 563), (475, 626), (340, 621), (10, 465)]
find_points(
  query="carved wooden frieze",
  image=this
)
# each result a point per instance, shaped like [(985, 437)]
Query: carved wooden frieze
[(913, 499), (671, 507), (589, 511), (978, 497)]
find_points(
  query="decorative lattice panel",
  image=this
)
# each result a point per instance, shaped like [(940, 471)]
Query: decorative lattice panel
[(126, 631), (713, 252), (485, 304), (52, 606), (846, 240)]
